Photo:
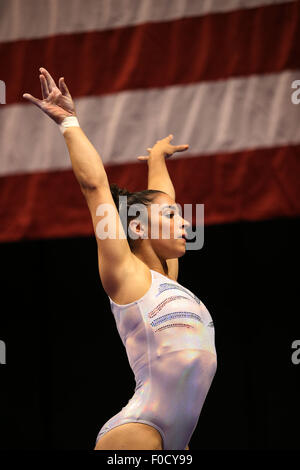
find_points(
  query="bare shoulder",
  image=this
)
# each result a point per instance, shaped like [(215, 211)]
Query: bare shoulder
[(135, 282)]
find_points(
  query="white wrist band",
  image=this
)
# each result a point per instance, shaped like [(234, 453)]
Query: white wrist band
[(69, 121)]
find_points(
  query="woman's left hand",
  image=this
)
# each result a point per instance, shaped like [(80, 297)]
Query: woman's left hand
[(163, 147)]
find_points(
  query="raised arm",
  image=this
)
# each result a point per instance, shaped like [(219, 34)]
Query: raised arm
[(57, 103), (159, 178), (158, 175), (114, 254)]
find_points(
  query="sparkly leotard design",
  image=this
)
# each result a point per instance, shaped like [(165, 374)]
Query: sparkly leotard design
[(169, 339)]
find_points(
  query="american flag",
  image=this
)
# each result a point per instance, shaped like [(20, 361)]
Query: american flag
[(216, 74)]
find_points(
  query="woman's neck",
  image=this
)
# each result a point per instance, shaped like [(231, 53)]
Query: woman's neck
[(153, 262)]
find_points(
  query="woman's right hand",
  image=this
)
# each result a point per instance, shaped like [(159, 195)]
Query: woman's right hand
[(163, 147), (56, 102)]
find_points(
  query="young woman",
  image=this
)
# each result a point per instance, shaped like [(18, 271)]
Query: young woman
[(167, 331)]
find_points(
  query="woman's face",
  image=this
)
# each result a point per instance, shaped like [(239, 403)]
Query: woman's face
[(166, 227)]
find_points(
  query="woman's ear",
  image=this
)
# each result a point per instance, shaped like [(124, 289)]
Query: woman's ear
[(136, 229)]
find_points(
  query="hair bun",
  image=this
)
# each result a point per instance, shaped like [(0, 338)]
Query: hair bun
[(116, 191)]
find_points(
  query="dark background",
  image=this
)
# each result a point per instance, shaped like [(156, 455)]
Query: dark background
[(66, 370)]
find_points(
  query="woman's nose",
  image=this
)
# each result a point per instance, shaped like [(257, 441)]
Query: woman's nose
[(186, 223)]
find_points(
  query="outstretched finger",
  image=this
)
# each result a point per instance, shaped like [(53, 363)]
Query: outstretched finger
[(32, 99), (142, 158), (63, 87), (181, 148), (44, 87), (50, 81)]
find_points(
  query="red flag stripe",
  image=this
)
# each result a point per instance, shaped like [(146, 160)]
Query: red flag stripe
[(229, 185), (187, 50)]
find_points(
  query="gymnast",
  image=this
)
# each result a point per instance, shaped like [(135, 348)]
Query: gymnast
[(167, 331)]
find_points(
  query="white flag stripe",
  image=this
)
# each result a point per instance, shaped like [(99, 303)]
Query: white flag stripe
[(55, 17), (219, 116)]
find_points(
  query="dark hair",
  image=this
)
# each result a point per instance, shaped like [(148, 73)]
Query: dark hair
[(140, 197)]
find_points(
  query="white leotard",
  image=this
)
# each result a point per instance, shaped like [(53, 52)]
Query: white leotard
[(169, 339)]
